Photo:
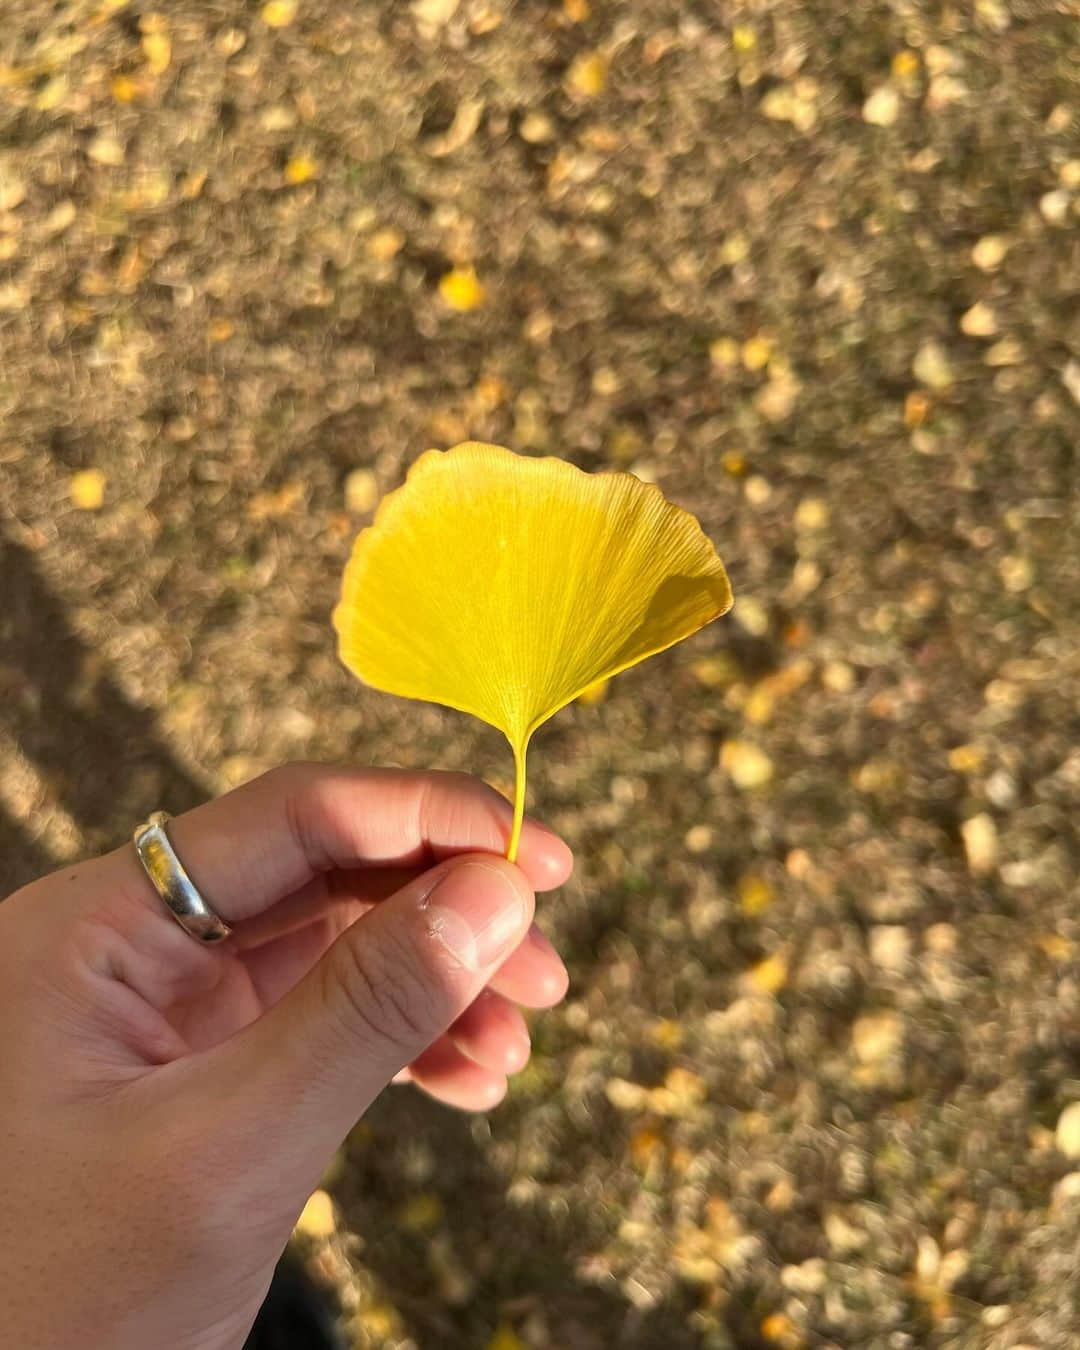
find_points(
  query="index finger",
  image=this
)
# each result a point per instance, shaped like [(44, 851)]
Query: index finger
[(263, 841)]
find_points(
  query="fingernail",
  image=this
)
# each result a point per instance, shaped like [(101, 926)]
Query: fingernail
[(477, 913)]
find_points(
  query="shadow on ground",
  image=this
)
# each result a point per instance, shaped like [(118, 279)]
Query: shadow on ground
[(453, 1288), (99, 756)]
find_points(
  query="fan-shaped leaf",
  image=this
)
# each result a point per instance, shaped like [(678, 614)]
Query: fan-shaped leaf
[(504, 586)]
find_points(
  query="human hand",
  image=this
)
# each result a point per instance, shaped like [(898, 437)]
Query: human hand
[(166, 1107)]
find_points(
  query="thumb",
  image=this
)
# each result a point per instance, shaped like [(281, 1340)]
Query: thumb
[(389, 986)]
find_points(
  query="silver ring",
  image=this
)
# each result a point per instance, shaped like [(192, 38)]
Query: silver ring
[(172, 883)]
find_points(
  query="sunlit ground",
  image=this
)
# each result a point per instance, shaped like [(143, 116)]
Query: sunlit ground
[(812, 268)]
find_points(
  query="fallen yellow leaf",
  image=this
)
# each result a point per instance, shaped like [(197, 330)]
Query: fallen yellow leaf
[(1007, 352), (124, 89), (279, 13), (192, 184), (52, 93), (148, 188), (931, 366), (966, 758), (782, 1331), (745, 764), (421, 1213), (130, 270), (485, 20), (1057, 947), (703, 1250), (106, 149), (882, 108), (979, 321), (812, 513), (756, 352), (461, 289), (989, 252), (795, 103), (876, 1036), (980, 838), (317, 1217), (490, 392), (506, 1338), (565, 578), (916, 409), (536, 128), (667, 1033), (838, 677), (752, 616), (768, 976), (724, 353), (755, 895), (777, 400), (716, 671), (267, 505), (381, 1320), (461, 130), (698, 839), (682, 1093), (87, 489), (434, 14), (386, 244), (12, 192), (646, 1143), (300, 169), (880, 774), (59, 218), (361, 491), (743, 38), (588, 73), (626, 1096), (905, 65), (1067, 1134), (764, 696), (157, 49)]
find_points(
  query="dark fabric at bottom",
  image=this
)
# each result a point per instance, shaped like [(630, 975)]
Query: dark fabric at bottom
[(295, 1315)]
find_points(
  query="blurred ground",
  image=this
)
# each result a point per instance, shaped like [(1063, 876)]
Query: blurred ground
[(812, 267)]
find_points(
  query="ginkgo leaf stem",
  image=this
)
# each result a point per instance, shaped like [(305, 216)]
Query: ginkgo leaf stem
[(520, 753)]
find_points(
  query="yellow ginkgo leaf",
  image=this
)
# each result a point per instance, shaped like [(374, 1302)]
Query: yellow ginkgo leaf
[(462, 289), (588, 74), (87, 489), (300, 169), (279, 13), (506, 1338), (504, 586), (157, 49), (124, 89), (317, 1219)]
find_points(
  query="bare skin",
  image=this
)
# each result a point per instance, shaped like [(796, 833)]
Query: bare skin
[(166, 1108)]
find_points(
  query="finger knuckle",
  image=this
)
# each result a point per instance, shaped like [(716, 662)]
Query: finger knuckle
[(382, 996), (460, 797)]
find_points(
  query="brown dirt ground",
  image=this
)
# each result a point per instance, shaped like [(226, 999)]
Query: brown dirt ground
[(806, 1086)]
